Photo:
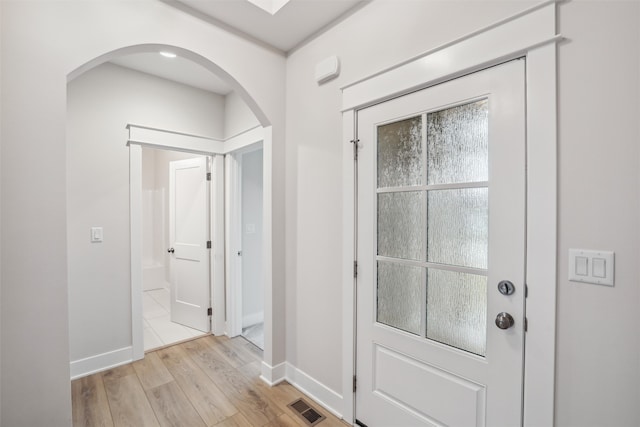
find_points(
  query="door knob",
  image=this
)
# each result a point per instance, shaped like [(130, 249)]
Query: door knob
[(171, 250), (504, 320)]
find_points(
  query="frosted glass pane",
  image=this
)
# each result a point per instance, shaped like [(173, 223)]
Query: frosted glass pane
[(399, 296), (457, 310), (400, 161), (458, 227), (457, 144), (401, 225)]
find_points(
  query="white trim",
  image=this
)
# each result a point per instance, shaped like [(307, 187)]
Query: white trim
[(180, 141), (539, 378), (176, 141), (135, 208), (507, 39), (233, 220), (321, 394), (217, 263), (267, 242), (532, 34), (100, 362), (349, 254), (313, 388), (273, 375), (243, 139)]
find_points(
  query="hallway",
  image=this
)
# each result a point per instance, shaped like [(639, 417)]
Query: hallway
[(209, 381)]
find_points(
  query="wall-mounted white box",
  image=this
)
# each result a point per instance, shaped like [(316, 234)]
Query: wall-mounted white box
[(589, 266)]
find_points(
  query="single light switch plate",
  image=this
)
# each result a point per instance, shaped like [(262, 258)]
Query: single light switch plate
[(589, 266), (96, 234)]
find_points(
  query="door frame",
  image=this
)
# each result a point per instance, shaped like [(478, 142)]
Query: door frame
[(530, 34), (233, 228), (140, 136)]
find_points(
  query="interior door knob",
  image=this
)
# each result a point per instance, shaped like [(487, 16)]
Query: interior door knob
[(504, 320), (171, 250)]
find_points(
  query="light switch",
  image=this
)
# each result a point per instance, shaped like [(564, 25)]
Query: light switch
[(582, 266), (96, 234), (589, 266), (599, 268)]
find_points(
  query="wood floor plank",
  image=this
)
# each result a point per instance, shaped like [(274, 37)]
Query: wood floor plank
[(89, 402), (118, 372), (128, 402), (209, 401), (229, 353), (241, 348), (172, 407), (254, 405), (151, 371), (238, 420), (257, 353), (284, 420)]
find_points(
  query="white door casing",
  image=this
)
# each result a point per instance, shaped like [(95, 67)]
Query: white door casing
[(405, 379), (532, 34), (188, 236)]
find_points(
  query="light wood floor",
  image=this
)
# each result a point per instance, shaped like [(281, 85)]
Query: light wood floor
[(210, 381)]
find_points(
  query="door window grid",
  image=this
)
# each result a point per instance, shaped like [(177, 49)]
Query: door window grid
[(468, 300)]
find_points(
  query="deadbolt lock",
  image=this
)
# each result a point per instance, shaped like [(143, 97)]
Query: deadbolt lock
[(506, 287)]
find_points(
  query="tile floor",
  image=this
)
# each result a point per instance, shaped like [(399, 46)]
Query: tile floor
[(159, 330), (255, 335)]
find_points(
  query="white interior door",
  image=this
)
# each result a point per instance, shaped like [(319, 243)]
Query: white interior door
[(188, 233), (441, 222)]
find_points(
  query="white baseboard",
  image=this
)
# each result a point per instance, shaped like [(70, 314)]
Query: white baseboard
[(252, 319), (273, 375), (91, 365), (313, 388)]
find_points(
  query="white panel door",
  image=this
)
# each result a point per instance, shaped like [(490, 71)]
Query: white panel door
[(188, 233), (441, 222)]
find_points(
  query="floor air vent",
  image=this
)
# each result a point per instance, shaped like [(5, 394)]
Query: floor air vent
[(309, 415)]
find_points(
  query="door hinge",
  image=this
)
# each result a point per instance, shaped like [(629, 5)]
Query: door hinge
[(355, 385), (209, 311), (208, 176), (355, 269), (526, 324), (526, 291), (208, 244), (355, 148)]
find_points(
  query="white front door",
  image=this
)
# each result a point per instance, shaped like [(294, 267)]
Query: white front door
[(441, 222), (188, 233)]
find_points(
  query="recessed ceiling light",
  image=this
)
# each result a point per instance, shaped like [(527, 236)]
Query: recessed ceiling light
[(168, 54)]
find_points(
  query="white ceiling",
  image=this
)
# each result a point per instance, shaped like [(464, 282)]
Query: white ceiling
[(282, 25), (292, 24), (176, 69)]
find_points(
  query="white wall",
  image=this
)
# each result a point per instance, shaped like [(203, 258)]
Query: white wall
[(598, 350), (238, 117), (598, 344), (252, 258), (42, 43), (100, 104)]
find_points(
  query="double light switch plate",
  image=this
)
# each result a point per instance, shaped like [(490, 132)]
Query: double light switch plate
[(588, 266)]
